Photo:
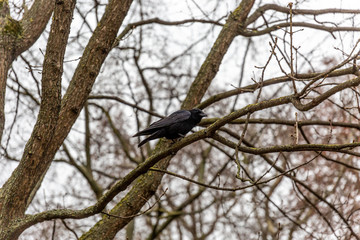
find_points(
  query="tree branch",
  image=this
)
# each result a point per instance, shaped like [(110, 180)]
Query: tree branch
[(261, 10), (24, 181), (134, 25), (257, 32)]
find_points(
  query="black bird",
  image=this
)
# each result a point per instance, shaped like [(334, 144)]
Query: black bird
[(176, 125)]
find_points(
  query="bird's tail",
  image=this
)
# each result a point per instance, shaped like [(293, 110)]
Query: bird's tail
[(155, 135), (143, 142)]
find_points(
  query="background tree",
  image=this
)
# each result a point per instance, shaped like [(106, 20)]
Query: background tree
[(276, 159)]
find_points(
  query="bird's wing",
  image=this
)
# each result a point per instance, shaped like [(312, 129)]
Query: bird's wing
[(178, 116)]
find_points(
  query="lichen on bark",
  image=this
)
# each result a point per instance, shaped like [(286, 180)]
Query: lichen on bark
[(12, 27)]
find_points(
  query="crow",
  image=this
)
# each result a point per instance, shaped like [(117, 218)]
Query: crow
[(176, 125)]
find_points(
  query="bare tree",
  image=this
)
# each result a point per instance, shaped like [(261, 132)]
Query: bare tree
[(276, 159)]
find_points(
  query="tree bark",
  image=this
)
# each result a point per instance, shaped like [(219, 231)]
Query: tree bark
[(210, 67), (14, 195), (18, 36), (50, 131), (5, 61), (5, 58)]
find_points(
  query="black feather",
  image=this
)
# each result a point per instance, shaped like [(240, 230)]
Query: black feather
[(176, 125)]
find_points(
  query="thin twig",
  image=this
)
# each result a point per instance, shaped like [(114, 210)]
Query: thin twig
[(291, 48)]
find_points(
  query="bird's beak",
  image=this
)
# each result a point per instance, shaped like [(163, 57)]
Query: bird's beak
[(203, 114)]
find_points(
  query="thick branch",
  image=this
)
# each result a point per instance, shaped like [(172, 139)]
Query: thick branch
[(299, 123), (34, 22), (261, 10), (15, 193), (212, 62), (286, 148), (71, 105), (256, 32), (272, 81), (16, 37), (316, 101)]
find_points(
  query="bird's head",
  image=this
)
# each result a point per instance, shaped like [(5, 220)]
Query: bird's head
[(197, 113)]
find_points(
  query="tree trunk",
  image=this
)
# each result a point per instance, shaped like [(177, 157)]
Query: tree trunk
[(55, 120), (16, 191)]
